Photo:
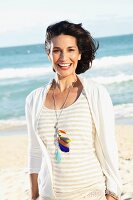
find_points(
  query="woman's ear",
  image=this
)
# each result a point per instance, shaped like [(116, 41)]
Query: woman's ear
[(79, 58)]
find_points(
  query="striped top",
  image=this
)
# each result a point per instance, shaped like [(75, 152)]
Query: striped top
[(80, 167)]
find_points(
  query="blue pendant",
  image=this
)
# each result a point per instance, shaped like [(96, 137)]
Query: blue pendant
[(63, 148), (58, 156)]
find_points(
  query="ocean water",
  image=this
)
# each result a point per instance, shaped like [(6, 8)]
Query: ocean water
[(25, 68)]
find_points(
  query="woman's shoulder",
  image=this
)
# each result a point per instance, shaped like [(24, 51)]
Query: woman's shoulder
[(35, 92), (97, 91), (92, 85), (33, 95)]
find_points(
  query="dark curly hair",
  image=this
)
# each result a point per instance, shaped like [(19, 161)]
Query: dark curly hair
[(86, 44)]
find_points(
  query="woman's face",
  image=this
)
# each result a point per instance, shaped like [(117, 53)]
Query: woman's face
[(64, 54)]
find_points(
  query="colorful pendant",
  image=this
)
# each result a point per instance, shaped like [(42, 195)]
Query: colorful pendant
[(62, 143)]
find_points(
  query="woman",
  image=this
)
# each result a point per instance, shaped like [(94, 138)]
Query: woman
[(72, 147)]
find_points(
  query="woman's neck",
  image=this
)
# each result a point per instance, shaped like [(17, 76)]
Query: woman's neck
[(64, 83)]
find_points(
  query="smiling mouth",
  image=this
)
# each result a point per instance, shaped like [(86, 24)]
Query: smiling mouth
[(65, 66)]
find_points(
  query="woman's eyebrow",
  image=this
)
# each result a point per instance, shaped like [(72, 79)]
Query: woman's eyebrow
[(72, 47), (67, 47)]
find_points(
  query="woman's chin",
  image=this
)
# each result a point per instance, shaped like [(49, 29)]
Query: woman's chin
[(63, 71), (65, 74)]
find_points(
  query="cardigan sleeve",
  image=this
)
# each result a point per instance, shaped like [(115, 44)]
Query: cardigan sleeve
[(109, 143), (34, 150)]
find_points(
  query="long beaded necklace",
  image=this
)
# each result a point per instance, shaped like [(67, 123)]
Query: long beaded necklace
[(61, 140)]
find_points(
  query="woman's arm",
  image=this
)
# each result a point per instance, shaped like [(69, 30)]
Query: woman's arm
[(34, 186), (34, 153), (109, 157)]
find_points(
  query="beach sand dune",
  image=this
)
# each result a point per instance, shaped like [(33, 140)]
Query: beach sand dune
[(14, 182)]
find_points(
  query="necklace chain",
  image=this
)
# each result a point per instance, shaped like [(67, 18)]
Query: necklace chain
[(62, 107)]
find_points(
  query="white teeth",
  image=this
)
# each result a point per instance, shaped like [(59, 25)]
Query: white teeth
[(64, 65)]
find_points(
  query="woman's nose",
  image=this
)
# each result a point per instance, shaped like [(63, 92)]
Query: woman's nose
[(63, 56)]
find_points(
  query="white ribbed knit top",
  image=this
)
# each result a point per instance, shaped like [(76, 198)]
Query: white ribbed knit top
[(79, 168)]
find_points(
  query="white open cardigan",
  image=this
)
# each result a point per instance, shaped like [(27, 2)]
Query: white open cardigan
[(105, 143)]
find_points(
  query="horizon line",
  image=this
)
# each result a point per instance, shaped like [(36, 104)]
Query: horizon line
[(30, 44)]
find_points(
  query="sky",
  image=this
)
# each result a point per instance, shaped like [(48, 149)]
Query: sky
[(25, 21)]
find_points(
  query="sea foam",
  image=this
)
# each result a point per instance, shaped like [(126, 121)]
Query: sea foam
[(106, 62), (9, 73), (36, 71)]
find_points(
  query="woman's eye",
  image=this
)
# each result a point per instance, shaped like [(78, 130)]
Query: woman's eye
[(71, 50), (55, 50)]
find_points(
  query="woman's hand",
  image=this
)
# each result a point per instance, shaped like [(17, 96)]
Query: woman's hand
[(108, 197), (34, 186)]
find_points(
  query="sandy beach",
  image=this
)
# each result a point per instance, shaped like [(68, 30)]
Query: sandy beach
[(14, 183)]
